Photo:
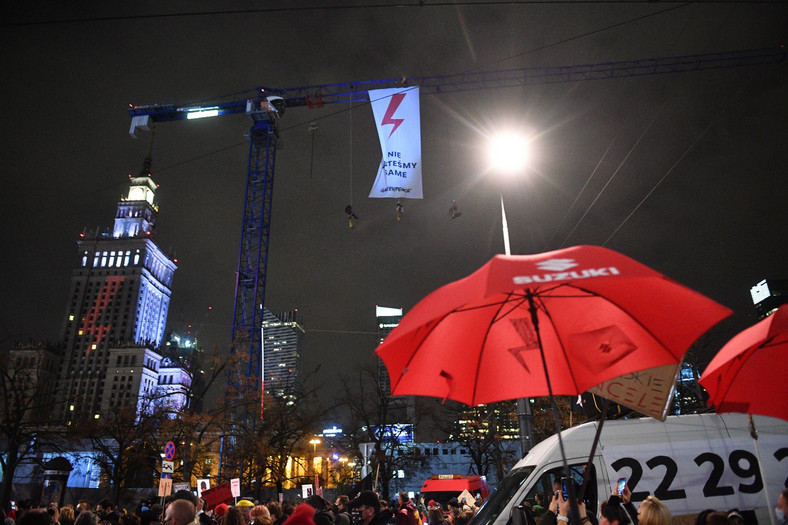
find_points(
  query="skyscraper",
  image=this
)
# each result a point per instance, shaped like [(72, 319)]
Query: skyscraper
[(388, 319), (401, 408), (282, 356), (116, 311)]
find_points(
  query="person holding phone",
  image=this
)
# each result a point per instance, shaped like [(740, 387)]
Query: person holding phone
[(622, 497), (558, 511)]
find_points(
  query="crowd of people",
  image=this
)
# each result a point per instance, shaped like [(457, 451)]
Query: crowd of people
[(184, 508), (620, 510)]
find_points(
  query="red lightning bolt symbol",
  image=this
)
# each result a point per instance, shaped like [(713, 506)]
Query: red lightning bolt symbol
[(108, 290), (396, 100)]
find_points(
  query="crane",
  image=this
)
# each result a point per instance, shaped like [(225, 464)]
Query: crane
[(264, 106)]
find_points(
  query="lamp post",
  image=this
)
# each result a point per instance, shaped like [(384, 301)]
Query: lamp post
[(314, 443), (509, 153)]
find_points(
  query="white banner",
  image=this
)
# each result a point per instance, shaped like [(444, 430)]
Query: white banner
[(397, 118)]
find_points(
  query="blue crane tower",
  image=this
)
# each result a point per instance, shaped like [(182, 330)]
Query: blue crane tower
[(265, 106)]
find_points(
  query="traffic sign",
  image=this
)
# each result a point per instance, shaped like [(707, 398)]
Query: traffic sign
[(167, 467), (169, 451)]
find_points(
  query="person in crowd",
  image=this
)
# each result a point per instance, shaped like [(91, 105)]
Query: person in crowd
[(219, 511), (539, 505), (564, 511), (54, 513), (84, 505), (624, 500), (406, 511), (372, 513), (180, 512), (323, 514), (612, 514), (86, 517), (341, 512), (557, 511), (422, 507), (714, 517), (435, 516), (153, 516), (781, 510), (653, 512), (245, 506), (454, 509), (67, 515), (202, 517), (261, 515), (233, 516), (106, 511), (287, 509), (385, 507), (277, 516)]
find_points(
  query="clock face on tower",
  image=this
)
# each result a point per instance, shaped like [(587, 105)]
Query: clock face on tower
[(137, 194)]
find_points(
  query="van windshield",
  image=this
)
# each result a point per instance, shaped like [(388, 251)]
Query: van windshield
[(499, 499)]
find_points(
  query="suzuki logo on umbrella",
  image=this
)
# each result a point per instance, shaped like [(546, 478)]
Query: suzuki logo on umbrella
[(556, 265)]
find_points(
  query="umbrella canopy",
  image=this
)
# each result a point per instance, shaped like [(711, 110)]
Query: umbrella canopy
[(582, 315), (748, 374)]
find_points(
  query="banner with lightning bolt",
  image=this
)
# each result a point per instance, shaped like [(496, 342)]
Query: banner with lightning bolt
[(397, 118)]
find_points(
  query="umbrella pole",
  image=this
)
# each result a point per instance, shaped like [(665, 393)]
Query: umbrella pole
[(572, 496), (587, 469), (754, 435)]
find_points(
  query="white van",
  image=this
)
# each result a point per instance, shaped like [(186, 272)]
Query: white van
[(691, 462)]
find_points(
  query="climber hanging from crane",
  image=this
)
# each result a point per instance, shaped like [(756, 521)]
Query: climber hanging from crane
[(350, 215), (454, 212)]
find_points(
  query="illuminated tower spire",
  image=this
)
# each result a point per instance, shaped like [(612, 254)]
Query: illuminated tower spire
[(138, 211)]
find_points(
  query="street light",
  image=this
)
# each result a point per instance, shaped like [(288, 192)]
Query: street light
[(509, 154), (314, 443)]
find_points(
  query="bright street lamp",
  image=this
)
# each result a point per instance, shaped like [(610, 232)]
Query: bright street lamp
[(509, 152)]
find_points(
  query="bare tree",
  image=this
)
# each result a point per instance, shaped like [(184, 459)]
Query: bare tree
[(196, 424), (375, 417), (126, 440), (25, 402)]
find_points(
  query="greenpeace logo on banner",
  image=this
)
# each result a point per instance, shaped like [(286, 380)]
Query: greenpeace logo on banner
[(398, 122), (557, 266)]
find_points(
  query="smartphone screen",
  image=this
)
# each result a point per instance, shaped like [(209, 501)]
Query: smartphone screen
[(622, 484), (565, 487)]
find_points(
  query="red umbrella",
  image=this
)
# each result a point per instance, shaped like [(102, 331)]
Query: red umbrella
[(567, 319), (747, 375)]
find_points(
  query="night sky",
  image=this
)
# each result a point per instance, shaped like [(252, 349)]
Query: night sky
[(682, 172)]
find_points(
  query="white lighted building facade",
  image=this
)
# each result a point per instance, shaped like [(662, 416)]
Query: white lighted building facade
[(116, 312)]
